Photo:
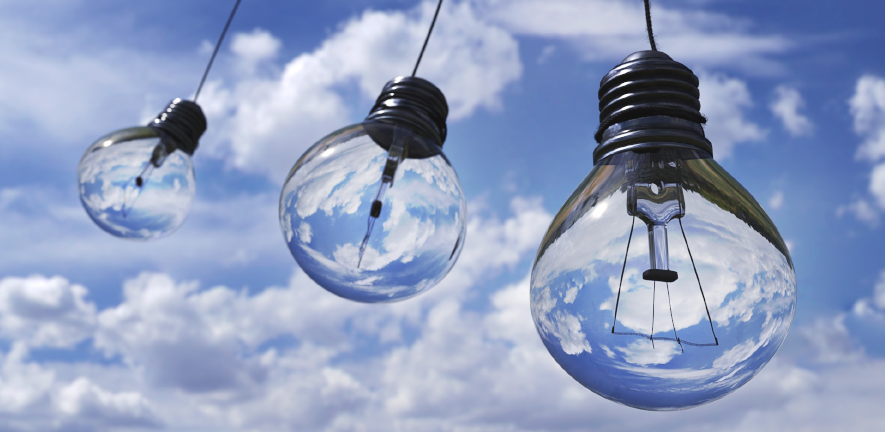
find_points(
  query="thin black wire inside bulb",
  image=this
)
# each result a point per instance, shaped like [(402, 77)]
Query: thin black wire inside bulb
[(394, 156), (158, 156)]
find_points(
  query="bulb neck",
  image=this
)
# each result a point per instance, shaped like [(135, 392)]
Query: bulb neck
[(182, 124), (414, 103), (648, 102)]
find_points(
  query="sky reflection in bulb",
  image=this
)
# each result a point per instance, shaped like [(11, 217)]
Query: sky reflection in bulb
[(748, 281), (107, 183), (327, 200)]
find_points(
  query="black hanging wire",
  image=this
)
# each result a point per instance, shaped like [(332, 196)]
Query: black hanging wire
[(217, 46), (651, 35), (427, 39)]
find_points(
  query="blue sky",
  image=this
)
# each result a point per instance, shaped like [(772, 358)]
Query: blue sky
[(215, 328)]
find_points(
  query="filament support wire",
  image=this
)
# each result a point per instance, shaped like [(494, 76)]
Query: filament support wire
[(651, 336)]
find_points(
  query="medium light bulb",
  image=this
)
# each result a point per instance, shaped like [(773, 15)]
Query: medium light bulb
[(374, 212), (661, 284), (138, 183)]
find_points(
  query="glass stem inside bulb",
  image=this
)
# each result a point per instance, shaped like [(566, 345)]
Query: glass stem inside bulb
[(158, 156), (657, 204), (657, 247), (395, 155)]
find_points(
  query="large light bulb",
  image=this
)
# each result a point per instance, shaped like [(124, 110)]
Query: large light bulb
[(696, 310), (138, 183), (374, 211)]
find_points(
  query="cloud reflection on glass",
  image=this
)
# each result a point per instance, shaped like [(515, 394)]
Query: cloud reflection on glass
[(108, 180), (663, 353), (327, 202)]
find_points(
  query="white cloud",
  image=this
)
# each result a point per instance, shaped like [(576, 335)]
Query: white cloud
[(879, 291), (867, 106), (45, 311), (861, 209), (83, 399), (271, 121), (165, 328), (212, 358), (23, 386), (830, 341), (776, 200), (786, 107), (166, 331), (254, 48), (723, 101), (611, 29), (829, 401), (877, 184), (873, 306)]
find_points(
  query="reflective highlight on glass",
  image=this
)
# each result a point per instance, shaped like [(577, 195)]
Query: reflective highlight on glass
[(129, 196), (368, 223), (680, 320)]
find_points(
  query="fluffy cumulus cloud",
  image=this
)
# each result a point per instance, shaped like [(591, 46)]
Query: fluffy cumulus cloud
[(464, 355), (867, 107), (723, 101), (254, 48), (246, 359), (873, 306), (786, 106), (43, 311), (91, 404), (273, 116), (35, 397)]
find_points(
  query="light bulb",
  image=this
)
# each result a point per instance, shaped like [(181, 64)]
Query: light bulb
[(374, 211), (661, 283), (138, 183)]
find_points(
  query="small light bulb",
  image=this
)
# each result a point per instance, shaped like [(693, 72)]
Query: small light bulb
[(138, 183), (704, 306), (374, 212)]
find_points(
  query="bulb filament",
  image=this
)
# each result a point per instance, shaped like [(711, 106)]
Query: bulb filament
[(394, 157), (131, 194), (657, 203)]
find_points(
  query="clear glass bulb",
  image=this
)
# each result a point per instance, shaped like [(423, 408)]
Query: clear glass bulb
[(132, 187), (699, 303), (344, 184)]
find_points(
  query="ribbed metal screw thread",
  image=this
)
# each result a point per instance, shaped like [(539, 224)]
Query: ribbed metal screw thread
[(182, 121), (414, 102), (648, 101)]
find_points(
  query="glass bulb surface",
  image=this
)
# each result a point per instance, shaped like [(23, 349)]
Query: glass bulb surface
[(329, 199), (126, 194), (608, 316)]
